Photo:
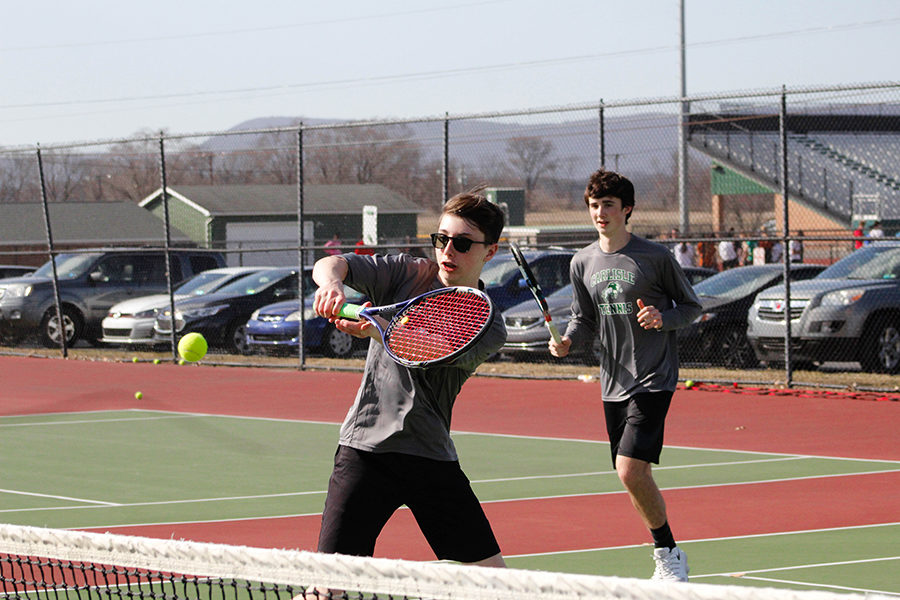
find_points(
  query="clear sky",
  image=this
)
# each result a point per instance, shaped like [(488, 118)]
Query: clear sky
[(100, 69)]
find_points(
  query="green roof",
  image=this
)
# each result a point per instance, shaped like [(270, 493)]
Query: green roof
[(259, 200), (81, 222)]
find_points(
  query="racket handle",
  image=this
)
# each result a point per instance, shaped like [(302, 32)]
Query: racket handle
[(554, 332), (350, 311)]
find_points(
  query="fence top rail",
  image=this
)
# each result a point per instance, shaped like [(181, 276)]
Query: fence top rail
[(594, 105)]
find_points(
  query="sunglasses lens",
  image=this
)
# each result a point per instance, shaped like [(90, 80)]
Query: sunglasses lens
[(460, 244)]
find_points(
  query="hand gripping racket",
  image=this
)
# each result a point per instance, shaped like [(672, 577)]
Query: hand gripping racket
[(535, 288), (430, 329)]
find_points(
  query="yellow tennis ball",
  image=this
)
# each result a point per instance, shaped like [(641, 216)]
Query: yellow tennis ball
[(138, 395), (689, 383), (155, 361), (192, 347)]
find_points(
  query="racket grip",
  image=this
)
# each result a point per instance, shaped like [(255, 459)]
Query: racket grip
[(350, 311), (554, 332)]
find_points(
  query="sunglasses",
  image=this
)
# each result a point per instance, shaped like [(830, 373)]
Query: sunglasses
[(460, 244)]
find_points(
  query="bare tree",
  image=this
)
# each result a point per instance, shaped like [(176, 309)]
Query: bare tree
[(386, 155), (64, 176), (533, 158), (131, 170), (18, 179)]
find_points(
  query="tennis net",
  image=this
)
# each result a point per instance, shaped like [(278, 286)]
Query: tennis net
[(52, 564)]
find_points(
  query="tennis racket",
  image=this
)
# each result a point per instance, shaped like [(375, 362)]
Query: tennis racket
[(430, 329), (536, 291)]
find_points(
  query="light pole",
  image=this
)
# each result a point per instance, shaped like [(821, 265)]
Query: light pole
[(683, 211)]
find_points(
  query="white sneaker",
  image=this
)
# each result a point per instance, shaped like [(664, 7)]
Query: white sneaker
[(671, 565)]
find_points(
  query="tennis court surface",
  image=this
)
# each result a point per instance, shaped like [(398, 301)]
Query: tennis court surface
[(790, 490)]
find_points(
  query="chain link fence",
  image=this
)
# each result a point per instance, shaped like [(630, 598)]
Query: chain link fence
[(137, 217)]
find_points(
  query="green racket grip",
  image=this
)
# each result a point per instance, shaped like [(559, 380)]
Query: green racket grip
[(350, 311)]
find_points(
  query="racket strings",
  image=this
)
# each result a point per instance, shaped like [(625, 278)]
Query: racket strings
[(438, 326)]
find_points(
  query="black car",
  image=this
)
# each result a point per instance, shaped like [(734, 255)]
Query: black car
[(222, 317), (719, 334), (90, 282), (15, 271), (504, 283)]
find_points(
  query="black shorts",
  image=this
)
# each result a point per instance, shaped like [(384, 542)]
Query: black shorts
[(636, 426), (366, 488)]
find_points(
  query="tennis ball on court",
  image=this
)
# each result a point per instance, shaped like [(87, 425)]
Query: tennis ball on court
[(135, 359), (155, 361), (138, 395), (192, 347), (181, 361), (689, 383)]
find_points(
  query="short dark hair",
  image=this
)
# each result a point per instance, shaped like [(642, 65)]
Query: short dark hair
[(605, 183), (479, 211)]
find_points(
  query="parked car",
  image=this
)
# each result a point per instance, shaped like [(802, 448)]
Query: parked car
[(89, 284), (15, 271), (222, 317), (131, 322), (527, 336), (719, 334), (850, 312), (275, 329), (504, 283)]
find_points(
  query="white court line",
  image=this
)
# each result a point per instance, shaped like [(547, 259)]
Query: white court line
[(153, 503), (829, 586), (798, 567), (175, 414), (713, 539), (479, 433), (655, 468), (496, 501), (92, 421), (35, 494)]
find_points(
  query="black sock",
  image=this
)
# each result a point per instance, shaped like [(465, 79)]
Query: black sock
[(662, 537)]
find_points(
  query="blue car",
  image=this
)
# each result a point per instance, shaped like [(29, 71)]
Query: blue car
[(274, 329)]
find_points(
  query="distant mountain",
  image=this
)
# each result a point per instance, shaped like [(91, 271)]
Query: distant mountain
[(636, 144)]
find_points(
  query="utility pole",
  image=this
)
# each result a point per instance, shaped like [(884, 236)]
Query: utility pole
[(683, 211)]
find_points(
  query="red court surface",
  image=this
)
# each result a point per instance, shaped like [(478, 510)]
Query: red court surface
[(840, 425), (803, 423), (546, 525)]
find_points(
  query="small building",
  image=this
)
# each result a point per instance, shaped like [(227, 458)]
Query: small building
[(23, 232), (257, 224)]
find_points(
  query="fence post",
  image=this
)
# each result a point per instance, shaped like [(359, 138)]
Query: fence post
[(445, 177), (49, 231), (601, 133), (168, 240), (301, 352), (785, 240)]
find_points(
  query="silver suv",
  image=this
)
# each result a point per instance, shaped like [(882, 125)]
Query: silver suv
[(849, 312), (89, 284)]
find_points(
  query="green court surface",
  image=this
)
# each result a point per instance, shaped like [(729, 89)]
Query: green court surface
[(105, 469)]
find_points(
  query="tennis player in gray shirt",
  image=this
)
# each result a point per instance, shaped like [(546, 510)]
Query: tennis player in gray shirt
[(633, 295), (395, 445)]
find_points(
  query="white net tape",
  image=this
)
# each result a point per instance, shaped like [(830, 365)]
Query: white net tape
[(401, 578)]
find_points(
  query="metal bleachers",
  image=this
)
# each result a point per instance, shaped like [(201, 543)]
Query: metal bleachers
[(826, 169)]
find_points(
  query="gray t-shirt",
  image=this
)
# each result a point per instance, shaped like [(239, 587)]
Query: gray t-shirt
[(606, 287), (397, 408)]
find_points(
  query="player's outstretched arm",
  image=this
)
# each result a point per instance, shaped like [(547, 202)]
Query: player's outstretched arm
[(329, 274)]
